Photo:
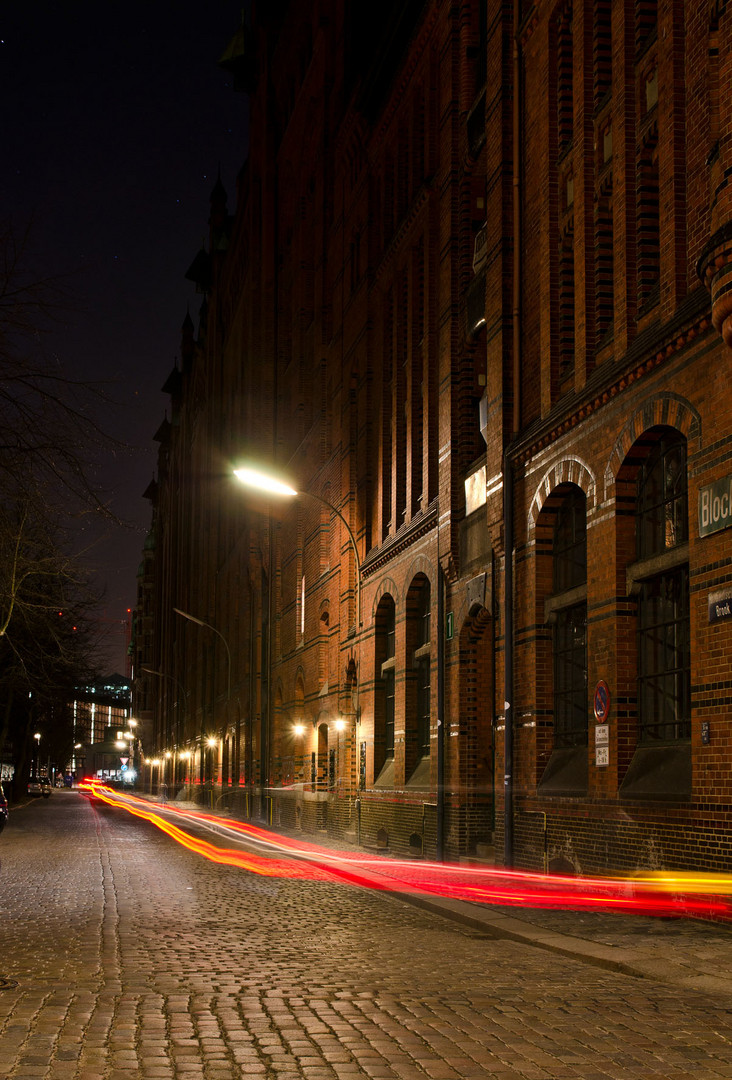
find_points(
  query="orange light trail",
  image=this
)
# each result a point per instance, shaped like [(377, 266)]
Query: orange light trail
[(680, 895)]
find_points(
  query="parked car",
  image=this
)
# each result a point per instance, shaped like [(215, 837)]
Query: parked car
[(3, 809), (39, 785)]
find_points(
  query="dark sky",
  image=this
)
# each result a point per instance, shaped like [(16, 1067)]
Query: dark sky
[(115, 121)]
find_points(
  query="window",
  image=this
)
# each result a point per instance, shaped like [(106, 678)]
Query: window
[(385, 689), (564, 77), (388, 677), (648, 220), (664, 681), (661, 511), (570, 543), (570, 626), (423, 672)]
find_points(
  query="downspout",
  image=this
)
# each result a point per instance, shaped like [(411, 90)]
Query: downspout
[(440, 710), (507, 469)]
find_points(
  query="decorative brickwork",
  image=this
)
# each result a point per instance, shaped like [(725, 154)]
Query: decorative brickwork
[(466, 253)]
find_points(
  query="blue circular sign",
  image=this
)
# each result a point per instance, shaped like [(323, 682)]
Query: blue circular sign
[(601, 702)]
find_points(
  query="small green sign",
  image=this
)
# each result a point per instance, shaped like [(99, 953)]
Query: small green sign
[(449, 626)]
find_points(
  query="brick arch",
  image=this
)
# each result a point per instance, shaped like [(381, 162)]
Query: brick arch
[(420, 565), (477, 622), (667, 410), (570, 470), (386, 585)]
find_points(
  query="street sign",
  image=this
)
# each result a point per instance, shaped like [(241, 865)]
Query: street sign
[(449, 626), (601, 702)]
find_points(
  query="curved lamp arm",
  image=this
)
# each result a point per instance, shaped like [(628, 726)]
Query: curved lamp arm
[(200, 622)]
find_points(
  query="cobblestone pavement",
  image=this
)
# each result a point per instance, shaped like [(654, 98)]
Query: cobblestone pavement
[(134, 958)]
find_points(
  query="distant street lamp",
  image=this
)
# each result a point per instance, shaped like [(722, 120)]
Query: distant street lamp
[(181, 700), (208, 626)]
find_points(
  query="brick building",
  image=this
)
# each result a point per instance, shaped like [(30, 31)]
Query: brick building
[(463, 306)]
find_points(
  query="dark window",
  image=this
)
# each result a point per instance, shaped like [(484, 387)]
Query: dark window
[(570, 543), (566, 306), (564, 77), (423, 674), (423, 707), (570, 627), (570, 677), (662, 515), (389, 713), (664, 669), (602, 49), (604, 262), (664, 700), (388, 677), (648, 222)]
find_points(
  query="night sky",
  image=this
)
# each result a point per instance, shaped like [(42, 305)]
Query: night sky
[(115, 122)]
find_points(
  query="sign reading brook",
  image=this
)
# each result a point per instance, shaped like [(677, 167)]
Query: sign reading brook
[(715, 506)]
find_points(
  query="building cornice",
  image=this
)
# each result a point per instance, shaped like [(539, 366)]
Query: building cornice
[(649, 351), (395, 546)]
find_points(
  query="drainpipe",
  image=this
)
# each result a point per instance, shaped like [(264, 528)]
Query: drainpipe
[(508, 663), (507, 470), (440, 712)]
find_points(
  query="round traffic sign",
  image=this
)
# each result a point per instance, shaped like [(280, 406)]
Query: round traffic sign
[(601, 702)]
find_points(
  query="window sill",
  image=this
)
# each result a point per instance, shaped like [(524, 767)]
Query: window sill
[(565, 773), (659, 772), (561, 601), (641, 571)]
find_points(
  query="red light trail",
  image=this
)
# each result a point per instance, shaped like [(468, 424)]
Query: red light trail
[(681, 895)]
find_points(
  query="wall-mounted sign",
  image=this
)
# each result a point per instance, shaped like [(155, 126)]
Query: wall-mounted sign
[(719, 604), (602, 734), (449, 626), (602, 755), (715, 506), (601, 702)]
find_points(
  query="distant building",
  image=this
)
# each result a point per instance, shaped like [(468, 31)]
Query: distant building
[(98, 708), (473, 305)]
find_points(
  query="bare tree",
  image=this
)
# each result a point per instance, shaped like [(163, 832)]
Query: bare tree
[(50, 438)]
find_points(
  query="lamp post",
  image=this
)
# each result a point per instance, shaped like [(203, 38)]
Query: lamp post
[(272, 485), (208, 626), (37, 770), (184, 693)]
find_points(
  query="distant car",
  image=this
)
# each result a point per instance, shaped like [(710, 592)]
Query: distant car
[(3, 809), (39, 785)]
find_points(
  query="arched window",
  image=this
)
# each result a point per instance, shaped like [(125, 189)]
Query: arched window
[(662, 530), (385, 642), (418, 680), (569, 608), (422, 664)]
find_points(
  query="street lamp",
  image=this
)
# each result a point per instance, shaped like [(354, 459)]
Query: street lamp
[(208, 626), (181, 701), (272, 485)]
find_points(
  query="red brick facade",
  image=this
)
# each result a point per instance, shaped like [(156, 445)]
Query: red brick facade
[(464, 302)]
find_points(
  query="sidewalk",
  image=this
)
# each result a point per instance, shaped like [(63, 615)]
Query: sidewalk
[(688, 953)]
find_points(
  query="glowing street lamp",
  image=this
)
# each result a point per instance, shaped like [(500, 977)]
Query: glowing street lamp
[(273, 485)]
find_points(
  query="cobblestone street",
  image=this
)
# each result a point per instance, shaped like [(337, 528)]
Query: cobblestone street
[(135, 958)]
